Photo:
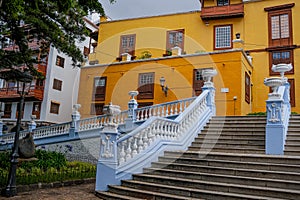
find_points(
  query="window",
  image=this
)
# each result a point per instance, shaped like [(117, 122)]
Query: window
[(146, 86), (292, 92), (223, 37), (127, 44), (198, 82), (280, 25), (86, 51), (60, 61), (222, 2), (7, 110), (36, 109), (54, 108), (57, 84), (39, 84), (17, 111), (247, 88), (175, 38), (284, 56), (97, 108), (99, 88)]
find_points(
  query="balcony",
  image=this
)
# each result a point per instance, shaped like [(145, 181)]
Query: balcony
[(11, 95), (219, 12)]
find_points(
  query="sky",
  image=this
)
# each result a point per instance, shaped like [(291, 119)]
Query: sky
[(124, 9)]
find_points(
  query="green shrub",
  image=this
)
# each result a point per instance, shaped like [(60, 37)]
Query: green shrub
[(257, 114)]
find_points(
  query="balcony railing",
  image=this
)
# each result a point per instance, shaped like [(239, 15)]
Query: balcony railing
[(215, 12), (11, 93)]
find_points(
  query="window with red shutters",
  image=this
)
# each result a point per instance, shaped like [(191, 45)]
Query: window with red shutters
[(175, 38), (146, 86), (127, 44), (247, 88), (99, 88)]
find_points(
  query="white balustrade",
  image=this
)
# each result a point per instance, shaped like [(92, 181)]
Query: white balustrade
[(157, 129), (163, 110)]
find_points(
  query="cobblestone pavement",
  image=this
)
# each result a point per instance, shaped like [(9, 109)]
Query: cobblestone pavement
[(75, 192)]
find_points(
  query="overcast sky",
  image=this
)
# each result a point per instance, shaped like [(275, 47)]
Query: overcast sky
[(124, 9)]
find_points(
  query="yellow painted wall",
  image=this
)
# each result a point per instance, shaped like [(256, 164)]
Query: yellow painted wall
[(199, 36), (178, 71), (256, 38)]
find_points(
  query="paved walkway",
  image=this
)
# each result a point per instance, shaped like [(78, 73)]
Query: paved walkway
[(76, 192)]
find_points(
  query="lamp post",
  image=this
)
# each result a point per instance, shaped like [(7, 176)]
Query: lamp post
[(23, 85)]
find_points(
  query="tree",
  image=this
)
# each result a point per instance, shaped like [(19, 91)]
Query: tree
[(50, 22)]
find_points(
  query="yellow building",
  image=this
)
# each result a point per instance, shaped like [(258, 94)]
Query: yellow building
[(241, 39)]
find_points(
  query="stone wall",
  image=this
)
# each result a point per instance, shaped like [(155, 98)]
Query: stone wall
[(86, 150)]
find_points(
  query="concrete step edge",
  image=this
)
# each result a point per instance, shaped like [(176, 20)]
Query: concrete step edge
[(146, 192), (287, 173), (108, 194), (228, 176), (222, 184), (228, 194)]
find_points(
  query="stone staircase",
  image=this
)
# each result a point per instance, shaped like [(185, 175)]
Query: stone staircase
[(226, 161), (292, 145)]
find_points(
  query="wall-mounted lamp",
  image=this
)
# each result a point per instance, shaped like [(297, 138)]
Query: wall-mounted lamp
[(164, 88), (234, 100), (238, 39)]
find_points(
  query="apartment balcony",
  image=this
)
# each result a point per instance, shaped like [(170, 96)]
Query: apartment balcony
[(11, 94), (219, 12), (42, 68)]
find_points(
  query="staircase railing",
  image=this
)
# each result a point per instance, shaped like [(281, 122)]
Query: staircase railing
[(278, 110), (121, 156)]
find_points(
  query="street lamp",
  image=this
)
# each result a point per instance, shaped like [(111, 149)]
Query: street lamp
[(23, 80), (164, 88)]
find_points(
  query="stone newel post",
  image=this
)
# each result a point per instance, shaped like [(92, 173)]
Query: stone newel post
[(75, 117), (132, 106), (108, 158), (208, 85), (277, 104), (32, 124)]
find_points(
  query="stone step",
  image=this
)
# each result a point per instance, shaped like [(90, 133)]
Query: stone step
[(113, 196), (293, 137), (292, 160), (236, 141), (218, 186), (238, 127), (234, 179), (204, 144), (227, 150), (292, 142), (232, 168), (230, 136), (231, 132), (292, 152), (293, 133), (190, 193), (141, 193), (238, 118)]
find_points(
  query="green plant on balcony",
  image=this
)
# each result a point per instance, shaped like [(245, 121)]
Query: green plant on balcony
[(145, 54)]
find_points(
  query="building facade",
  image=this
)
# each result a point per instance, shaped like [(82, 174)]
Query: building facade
[(49, 100), (242, 39)]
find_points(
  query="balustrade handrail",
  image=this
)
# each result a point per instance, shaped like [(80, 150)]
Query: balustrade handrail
[(145, 134), (168, 109)]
